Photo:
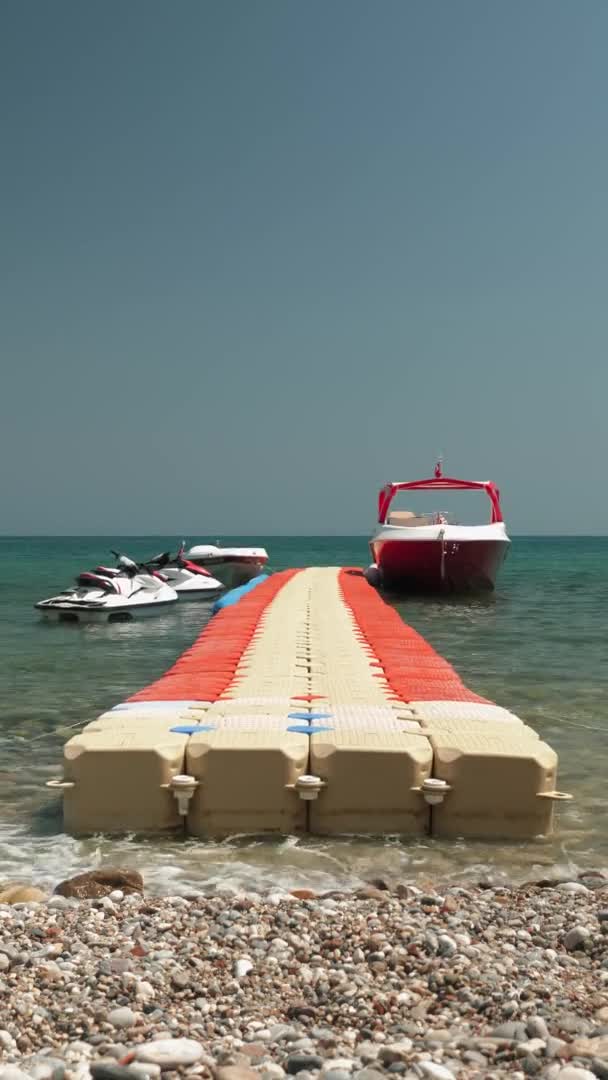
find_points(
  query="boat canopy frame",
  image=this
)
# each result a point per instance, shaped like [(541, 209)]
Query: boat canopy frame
[(439, 483)]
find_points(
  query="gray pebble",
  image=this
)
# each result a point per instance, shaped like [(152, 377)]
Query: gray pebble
[(101, 1071), (46, 1068), (122, 1018), (554, 1048), (511, 1029), (531, 1065), (473, 1057), (576, 938), (536, 1028)]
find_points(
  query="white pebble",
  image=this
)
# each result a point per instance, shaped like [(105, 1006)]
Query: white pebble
[(242, 967), (434, 1071), (170, 1053), (572, 1072), (122, 1017)]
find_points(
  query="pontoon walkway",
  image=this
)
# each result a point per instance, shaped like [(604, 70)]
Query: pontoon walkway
[(310, 706)]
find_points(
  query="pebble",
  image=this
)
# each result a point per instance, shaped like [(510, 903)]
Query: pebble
[(425, 985), (555, 1048), (236, 1072), (299, 1062), (435, 1071), (101, 1071), (395, 1052), (536, 1028), (576, 938), (531, 1046), (122, 1018), (242, 967), (572, 1072), (170, 1053)]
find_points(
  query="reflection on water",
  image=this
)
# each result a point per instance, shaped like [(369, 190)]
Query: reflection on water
[(537, 647)]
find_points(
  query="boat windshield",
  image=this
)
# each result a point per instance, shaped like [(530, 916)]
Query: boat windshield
[(411, 519), (439, 497)]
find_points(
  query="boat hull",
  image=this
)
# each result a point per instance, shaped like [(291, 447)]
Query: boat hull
[(435, 565), (232, 571), (192, 593), (75, 614)]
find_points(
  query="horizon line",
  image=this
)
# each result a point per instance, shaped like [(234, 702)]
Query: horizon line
[(274, 536)]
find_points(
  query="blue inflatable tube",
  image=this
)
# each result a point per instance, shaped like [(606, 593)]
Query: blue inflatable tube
[(233, 597)]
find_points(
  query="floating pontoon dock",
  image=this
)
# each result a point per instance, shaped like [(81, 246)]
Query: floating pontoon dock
[(309, 706)]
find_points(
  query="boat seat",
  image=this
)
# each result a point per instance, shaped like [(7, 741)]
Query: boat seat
[(407, 517), (95, 581)]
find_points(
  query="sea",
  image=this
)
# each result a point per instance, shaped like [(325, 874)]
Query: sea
[(537, 646)]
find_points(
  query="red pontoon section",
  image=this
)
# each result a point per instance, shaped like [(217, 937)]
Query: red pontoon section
[(411, 667), (208, 667)]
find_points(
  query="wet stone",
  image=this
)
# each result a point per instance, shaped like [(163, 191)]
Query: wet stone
[(300, 1062), (110, 1072)]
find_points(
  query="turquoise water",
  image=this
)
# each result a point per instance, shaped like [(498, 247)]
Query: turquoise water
[(538, 646)]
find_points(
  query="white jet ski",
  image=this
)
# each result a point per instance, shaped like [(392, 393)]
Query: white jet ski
[(190, 581), (111, 594)]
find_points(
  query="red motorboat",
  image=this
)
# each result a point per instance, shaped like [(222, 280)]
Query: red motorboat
[(429, 552)]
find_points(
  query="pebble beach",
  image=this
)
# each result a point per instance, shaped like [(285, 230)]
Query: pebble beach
[(435, 982)]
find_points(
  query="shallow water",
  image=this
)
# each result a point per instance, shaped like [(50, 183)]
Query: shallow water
[(538, 647)]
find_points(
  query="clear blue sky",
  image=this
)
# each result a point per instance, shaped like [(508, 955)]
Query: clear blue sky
[(260, 256)]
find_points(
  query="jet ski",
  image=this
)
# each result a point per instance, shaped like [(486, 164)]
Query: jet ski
[(127, 591), (189, 580)]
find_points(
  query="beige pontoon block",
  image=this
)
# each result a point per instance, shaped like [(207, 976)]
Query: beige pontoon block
[(368, 782), (235, 708), (250, 721), (504, 730), (429, 711), (118, 779), (143, 719), (243, 779), (502, 784), (367, 718)]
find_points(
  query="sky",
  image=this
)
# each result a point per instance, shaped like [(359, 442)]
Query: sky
[(258, 258)]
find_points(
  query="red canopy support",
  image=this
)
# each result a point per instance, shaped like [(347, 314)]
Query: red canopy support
[(440, 483)]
